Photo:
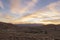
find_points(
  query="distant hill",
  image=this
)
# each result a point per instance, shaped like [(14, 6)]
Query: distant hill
[(5, 24), (29, 25)]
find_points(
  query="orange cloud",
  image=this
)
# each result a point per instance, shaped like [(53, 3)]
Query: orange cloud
[(53, 7), (0, 14), (8, 17), (16, 6)]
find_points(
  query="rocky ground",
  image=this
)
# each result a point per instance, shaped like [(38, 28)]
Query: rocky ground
[(13, 32)]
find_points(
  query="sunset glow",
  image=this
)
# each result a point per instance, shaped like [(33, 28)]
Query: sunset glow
[(30, 11)]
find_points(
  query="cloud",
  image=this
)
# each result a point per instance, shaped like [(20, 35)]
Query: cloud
[(1, 4), (54, 7), (8, 17), (0, 14), (50, 14), (16, 6)]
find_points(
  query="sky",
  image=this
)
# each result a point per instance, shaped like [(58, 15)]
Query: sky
[(30, 11)]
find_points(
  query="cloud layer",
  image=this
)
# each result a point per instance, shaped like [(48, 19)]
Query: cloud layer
[(47, 15), (1, 4), (17, 6)]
